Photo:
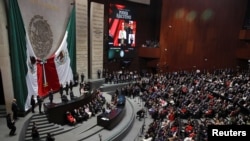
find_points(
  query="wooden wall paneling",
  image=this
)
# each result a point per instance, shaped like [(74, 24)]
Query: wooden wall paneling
[(194, 38)]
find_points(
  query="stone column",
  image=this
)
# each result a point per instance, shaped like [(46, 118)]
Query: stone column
[(5, 67), (82, 37), (96, 38)]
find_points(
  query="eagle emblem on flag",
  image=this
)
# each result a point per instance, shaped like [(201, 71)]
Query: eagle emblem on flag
[(61, 58), (31, 64)]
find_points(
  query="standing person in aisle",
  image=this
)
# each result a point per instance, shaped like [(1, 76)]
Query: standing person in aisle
[(11, 125), (82, 77), (39, 101), (51, 97), (32, 103), (15, 109)]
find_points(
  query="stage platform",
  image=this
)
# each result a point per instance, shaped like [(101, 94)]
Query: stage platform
[(92, 131), (128, 128)]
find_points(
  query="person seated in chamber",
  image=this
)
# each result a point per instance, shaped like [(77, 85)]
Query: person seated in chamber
[(71, 120)]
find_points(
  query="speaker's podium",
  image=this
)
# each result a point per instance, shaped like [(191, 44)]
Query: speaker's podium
[(111, 119)]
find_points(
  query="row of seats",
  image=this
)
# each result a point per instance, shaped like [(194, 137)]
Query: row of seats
[(88, 110)]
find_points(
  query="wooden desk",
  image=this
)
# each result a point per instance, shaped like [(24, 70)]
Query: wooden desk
[(56, 112), (110, 120)]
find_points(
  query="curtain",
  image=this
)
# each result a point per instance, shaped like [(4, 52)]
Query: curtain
[(71, 28), (17, 53)]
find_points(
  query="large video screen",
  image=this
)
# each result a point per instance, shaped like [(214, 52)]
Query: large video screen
[(122, 32)]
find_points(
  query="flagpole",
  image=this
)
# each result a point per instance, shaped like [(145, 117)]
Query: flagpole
[(45, 84)]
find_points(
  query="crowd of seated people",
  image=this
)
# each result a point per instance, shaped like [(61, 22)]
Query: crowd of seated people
[(121, 76), (218, 98), (87, 110), (84, 88), (182, 104)]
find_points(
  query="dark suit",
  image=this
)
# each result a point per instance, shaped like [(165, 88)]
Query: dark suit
[(14, 109), (32, 103), (61, 90), (51, 97), (129, 31), (64, 98), (82, 77), (11, 125), (39, 101), (67, 88), (99, 74), (71, 85), (72, 96)]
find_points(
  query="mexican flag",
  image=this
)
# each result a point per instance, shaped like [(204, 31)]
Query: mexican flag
[(55, 70), (44, 75), (37, 76)]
